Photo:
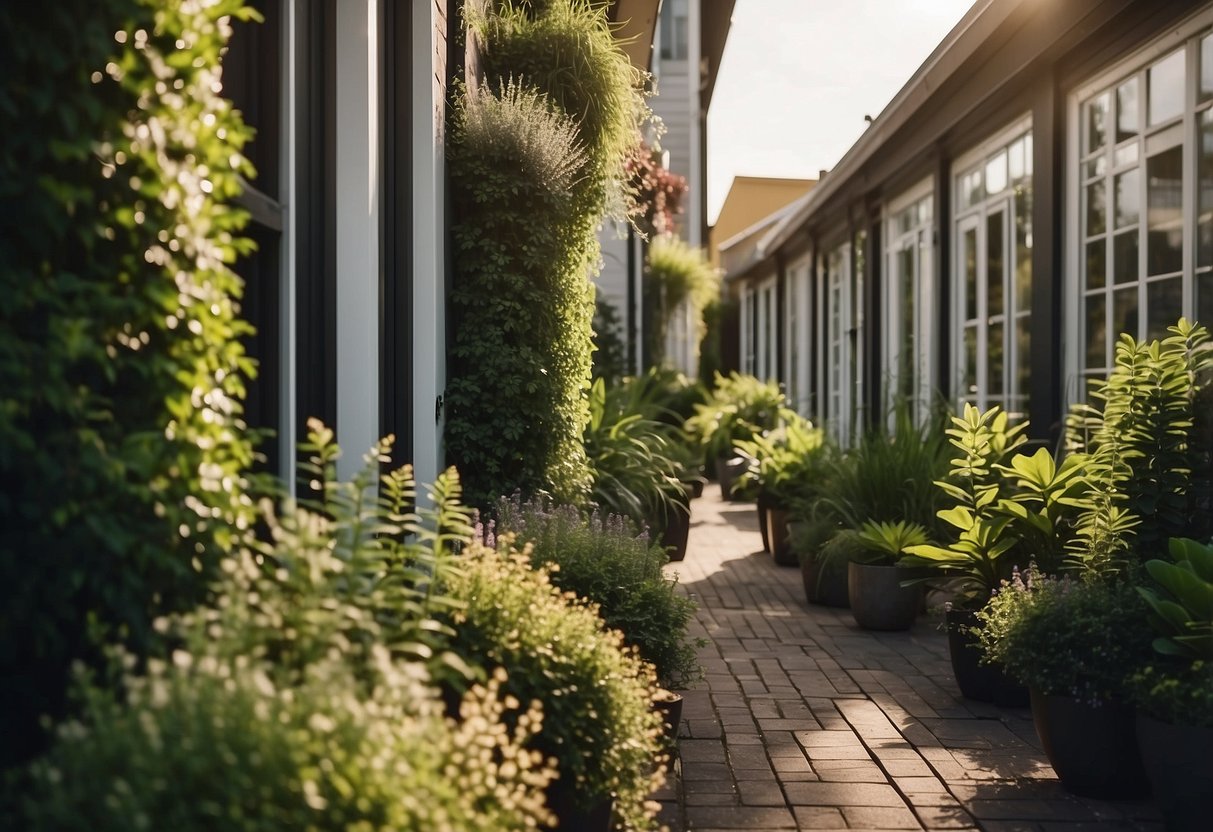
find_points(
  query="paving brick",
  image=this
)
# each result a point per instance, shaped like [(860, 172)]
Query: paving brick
[(842, 794), (739, 817), (804, 719)]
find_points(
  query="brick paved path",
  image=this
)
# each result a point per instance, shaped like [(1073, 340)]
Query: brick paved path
[(805, 721)]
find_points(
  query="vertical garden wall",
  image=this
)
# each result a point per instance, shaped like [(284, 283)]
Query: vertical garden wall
[(537, 158), (121, 369)]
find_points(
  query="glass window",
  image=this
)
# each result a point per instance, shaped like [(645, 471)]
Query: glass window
[(1096, 208), (993, 269), (1127, 198), (1126, 110), (1164, 195), (674, 30), (1097, 123), (1166, 85)]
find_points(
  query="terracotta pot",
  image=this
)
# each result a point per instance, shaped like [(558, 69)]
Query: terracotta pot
[(878, 600), (778, 537), (1180, 769), (1091, 746), (977, 681), (669, 705)]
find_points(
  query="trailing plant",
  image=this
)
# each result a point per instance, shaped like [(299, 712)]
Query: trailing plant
[(312, 668), (657, 193), (521, 301), (1079, 638), (565, 50), (1007, 509), (676, 274), (1147, 433), (122, 371), (598, 722), (604, 561), (739, 407), (885, 543)]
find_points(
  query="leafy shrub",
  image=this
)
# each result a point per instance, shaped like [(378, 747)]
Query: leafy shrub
[(1148, 438), (1181, 694), (1062, 636), (521, 301), (885, 543), (197, 746), (789, 464), (739, 407), (301, 697), (1006, 509), (120, 361), (605, 562), (610, 353), (598, 720), (1181, 600)]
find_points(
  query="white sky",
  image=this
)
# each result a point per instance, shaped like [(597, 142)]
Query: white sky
[(798, 76)]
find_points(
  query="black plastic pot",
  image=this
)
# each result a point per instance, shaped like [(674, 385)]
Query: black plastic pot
[(764, 504), (572, 812), (676, 530), (1178, 760), (825, 586), (727, 471), (977, 681), (878, 600), (1091, 746)]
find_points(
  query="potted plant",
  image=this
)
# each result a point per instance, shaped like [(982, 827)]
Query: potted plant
[(824, 549), (1073, 642), (877, 586), (637, 461), (1174, 693), (784, 465), (1008, 509), (739, 407)]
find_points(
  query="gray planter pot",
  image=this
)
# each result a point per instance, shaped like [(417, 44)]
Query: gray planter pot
[(878, 600)]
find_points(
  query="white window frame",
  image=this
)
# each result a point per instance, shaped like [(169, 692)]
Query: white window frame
[(767, 358), (797, 346), (745, 331), (837, 387), (921, 239), (1186, 36), (975, 216)]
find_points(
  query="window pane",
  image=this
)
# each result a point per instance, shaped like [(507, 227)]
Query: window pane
[(1124, 257), (1096, 209), (1097, 256), (971, 190), (1126, 110), (996, 174), (1126, 200), (1097, 123), (1097, 330), (1125, 155), (1027, 154), (1124, 311), (1095, 167), (1166, 88), (1015, 161), (1206, 68), (1204, 161), (905, 355), (1164, 305), (994, 365), (968, 248), (995, 264), (1164, 194)]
